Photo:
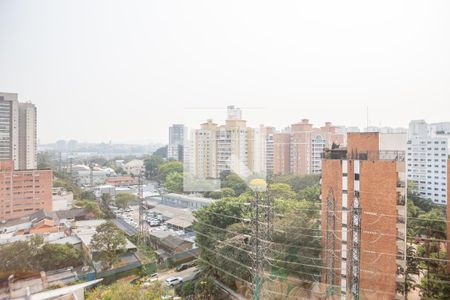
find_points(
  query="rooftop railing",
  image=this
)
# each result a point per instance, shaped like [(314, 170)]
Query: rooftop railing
[(342, 154)]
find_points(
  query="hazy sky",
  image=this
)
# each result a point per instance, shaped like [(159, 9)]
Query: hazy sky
[(125, 70)]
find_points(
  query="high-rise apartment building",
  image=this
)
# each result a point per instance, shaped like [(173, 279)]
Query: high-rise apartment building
[(27, 136), (427, 159), (177, 137), (201, 158), (281, 153), (214, 149), (23, 192), (235, 144), (18, 138), (9, 128), (263, 150), (306, 145), (364, 217)]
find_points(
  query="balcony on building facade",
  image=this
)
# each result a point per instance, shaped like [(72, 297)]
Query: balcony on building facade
[(401, 199), (343, 154), (400, 236)]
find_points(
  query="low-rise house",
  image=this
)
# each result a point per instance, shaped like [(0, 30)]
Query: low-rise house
[(85, 231), (82, 174), (134, 167), (20, 287), (184, 201), (105, 189), (38, 222), (121, 181), (173, 244)]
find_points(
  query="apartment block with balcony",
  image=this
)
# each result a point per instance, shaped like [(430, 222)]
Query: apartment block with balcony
[(427, 157), (305, 145), (364, 217), (18, 136)]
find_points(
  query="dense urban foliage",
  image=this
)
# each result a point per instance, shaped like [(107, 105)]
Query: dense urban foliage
[(125, 291), (109, 242), (224, 233), (426, 251), (35, 255)]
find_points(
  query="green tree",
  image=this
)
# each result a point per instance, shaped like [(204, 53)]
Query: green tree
[(117, 291), (20, 256), (87, 195), (234, 182), (174, 182), (91, 207), (152, 164), (44, 161), (310, 193), (282, 190), (412, 270), (56, 256), (109, 241), (297, 183), (34, 255), (169, 167), (124, 199), (106, 199), (161, 152)]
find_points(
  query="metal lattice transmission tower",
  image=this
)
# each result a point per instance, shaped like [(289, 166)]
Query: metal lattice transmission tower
[(262, 233), (330, 243), (355, 247)]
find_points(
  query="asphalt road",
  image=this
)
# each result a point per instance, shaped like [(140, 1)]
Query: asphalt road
[(186, 275)]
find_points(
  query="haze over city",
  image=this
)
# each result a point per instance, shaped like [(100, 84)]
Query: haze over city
[(125, 70)]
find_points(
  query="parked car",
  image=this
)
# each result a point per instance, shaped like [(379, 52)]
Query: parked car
[(154, 223), (153, 277), (172, 281), (184, 266)]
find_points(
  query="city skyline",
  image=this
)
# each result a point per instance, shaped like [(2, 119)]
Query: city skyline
[(391, 58)]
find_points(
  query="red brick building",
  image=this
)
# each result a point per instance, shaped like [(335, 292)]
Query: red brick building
[(364, 217), (122, 180), (299, 150), (281, 158), (23, 192), (448, 217)]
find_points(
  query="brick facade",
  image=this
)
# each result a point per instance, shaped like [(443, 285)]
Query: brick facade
[(23, 192), (381, 187)]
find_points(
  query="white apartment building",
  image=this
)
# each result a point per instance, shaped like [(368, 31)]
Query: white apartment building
[(18, 136), (426, 157)]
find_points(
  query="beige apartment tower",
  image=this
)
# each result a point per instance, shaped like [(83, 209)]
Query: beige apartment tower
[(18, 137)]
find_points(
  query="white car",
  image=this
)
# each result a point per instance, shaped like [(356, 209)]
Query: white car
[(172, 281)]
